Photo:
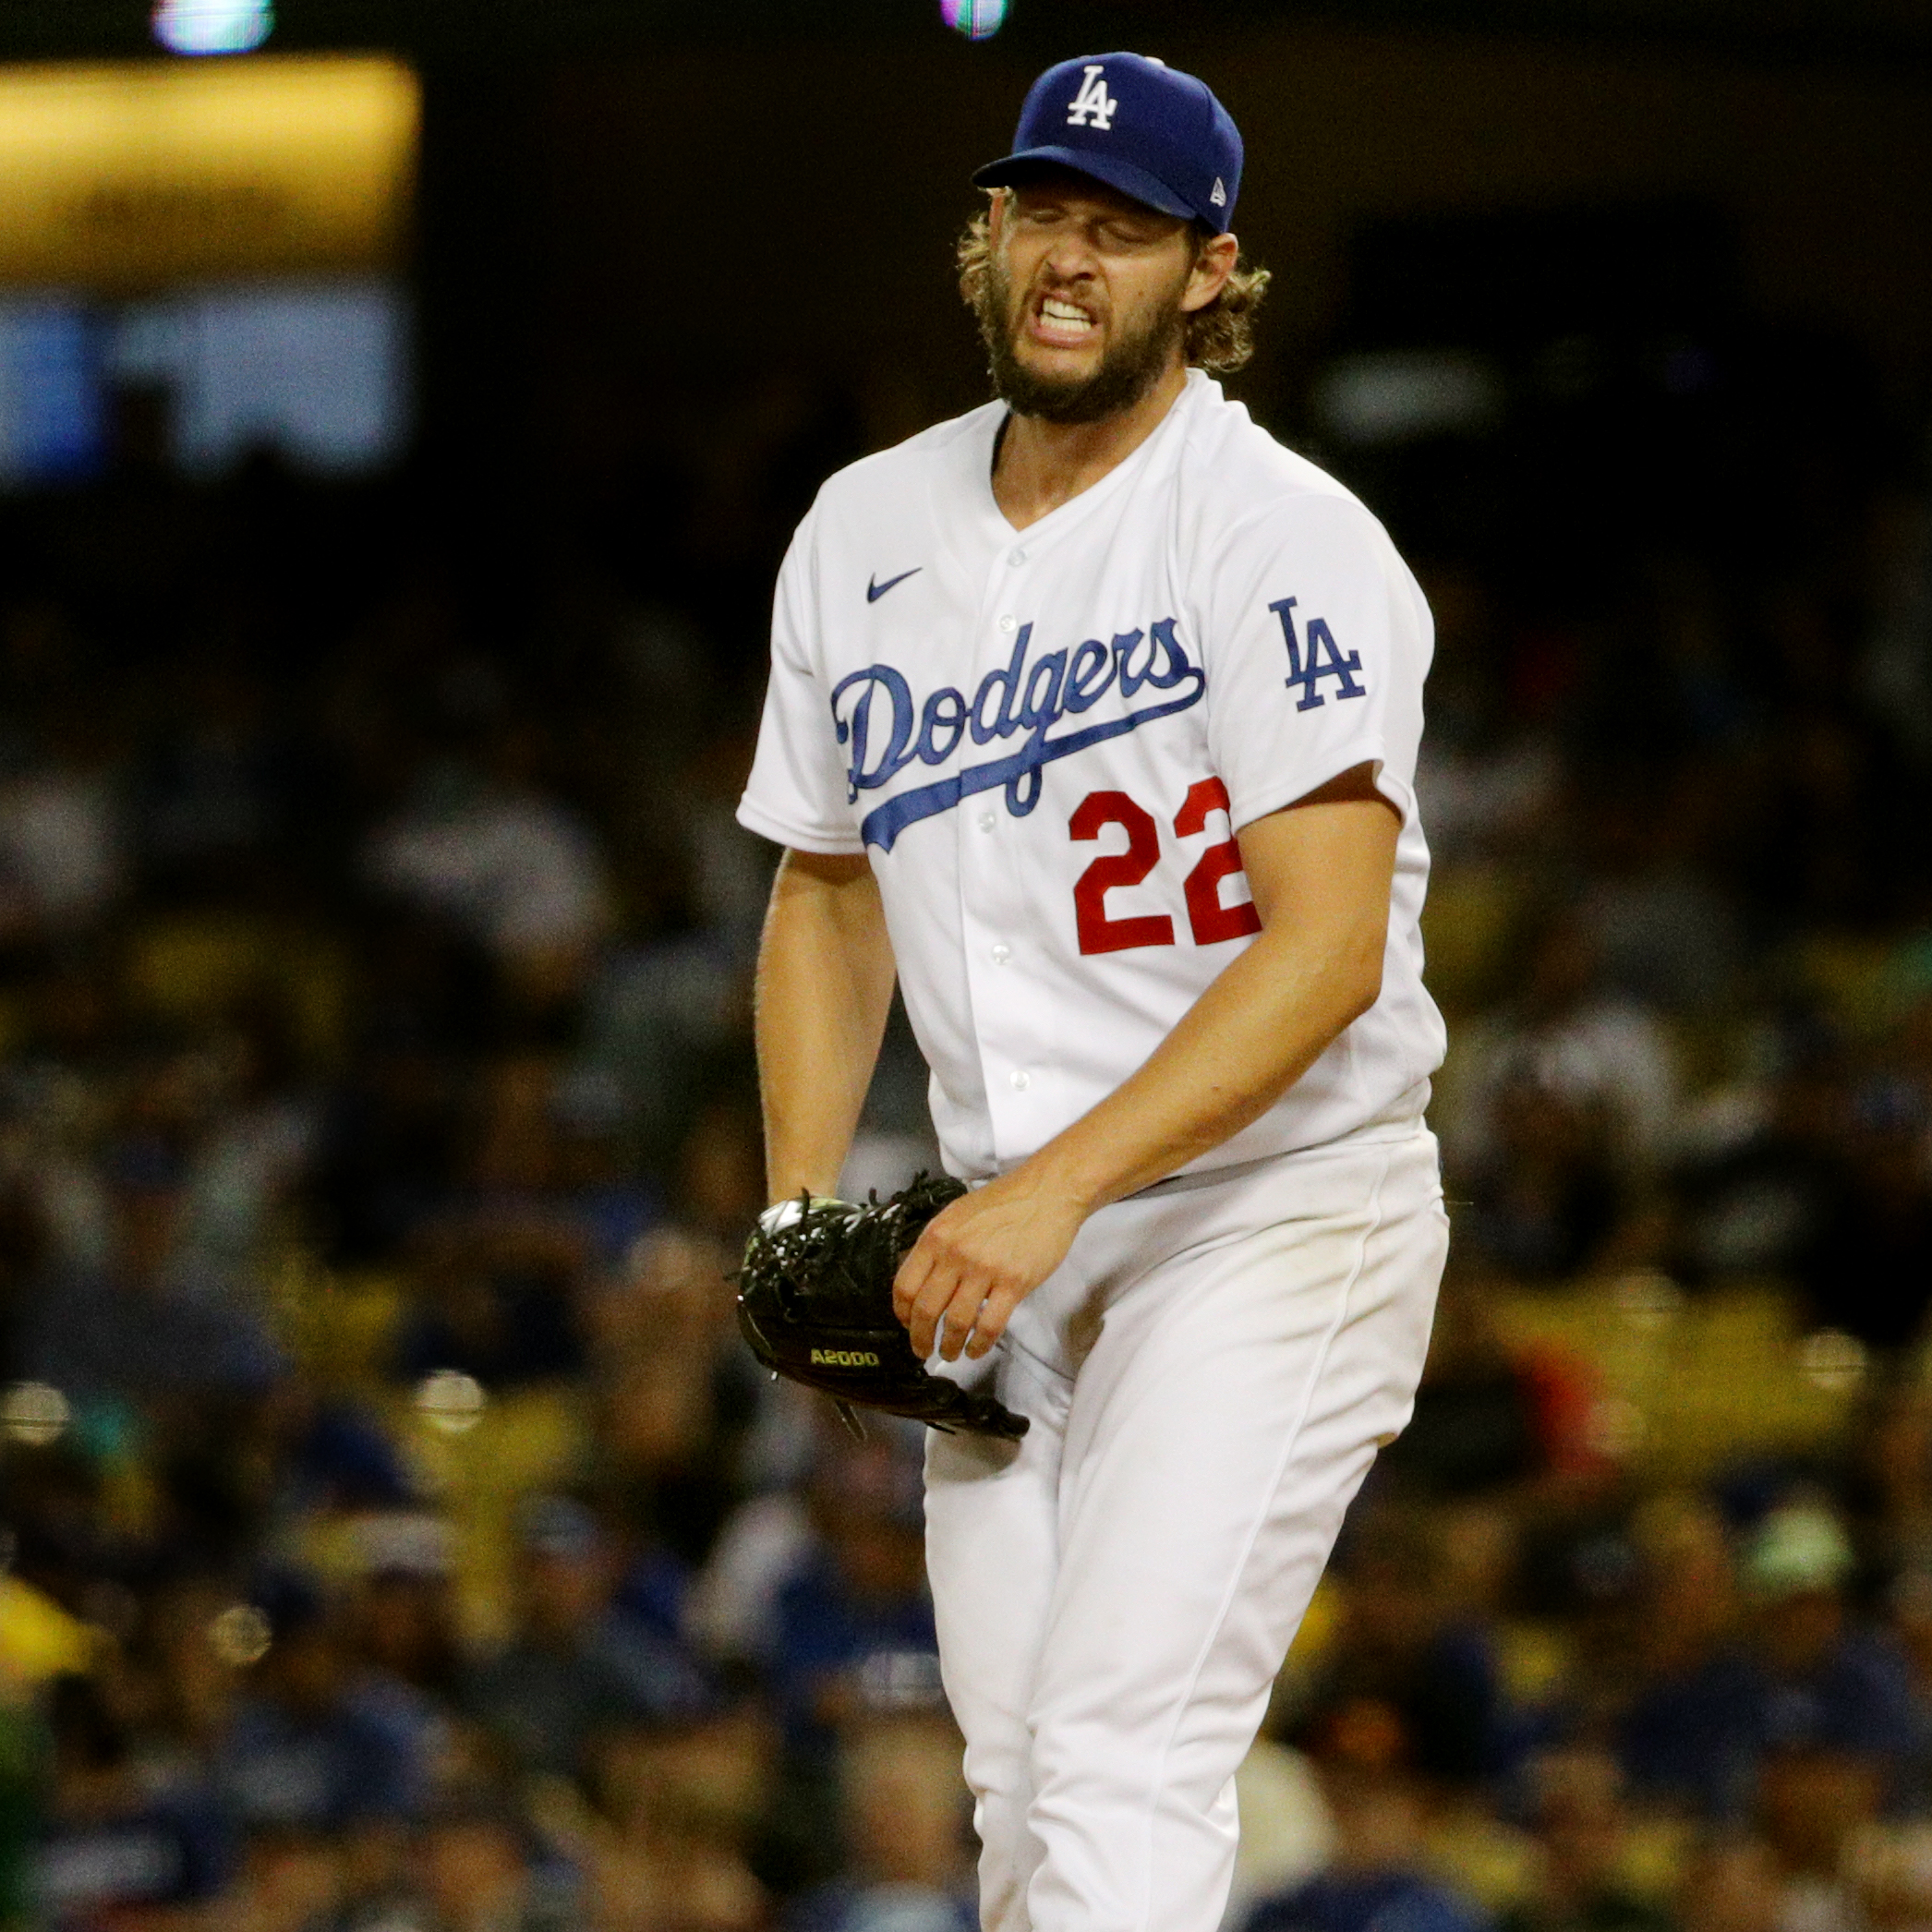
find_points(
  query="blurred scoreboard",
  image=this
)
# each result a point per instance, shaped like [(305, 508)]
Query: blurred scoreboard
[(232, 235)]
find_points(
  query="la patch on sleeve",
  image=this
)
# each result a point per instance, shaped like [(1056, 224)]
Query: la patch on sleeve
[(1321, 657)]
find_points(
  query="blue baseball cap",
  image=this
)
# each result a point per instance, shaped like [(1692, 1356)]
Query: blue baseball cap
[(1156, 134)]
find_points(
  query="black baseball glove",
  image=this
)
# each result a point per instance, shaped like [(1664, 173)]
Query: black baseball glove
[(815, 1301)]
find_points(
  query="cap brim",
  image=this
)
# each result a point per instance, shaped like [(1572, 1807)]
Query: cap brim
[(1137, 184)]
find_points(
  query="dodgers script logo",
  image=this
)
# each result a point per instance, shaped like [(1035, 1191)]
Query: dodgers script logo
[(876, 714)]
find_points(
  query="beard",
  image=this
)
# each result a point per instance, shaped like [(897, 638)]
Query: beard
[(1134, 361)]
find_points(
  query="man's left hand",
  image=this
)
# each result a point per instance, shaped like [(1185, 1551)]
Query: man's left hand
[(978, 1259)]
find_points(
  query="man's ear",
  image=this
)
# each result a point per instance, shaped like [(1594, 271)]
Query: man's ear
[(1213, 266), (996, 200)]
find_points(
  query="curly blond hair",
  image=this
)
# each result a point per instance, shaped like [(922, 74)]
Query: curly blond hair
[(1219, 338)]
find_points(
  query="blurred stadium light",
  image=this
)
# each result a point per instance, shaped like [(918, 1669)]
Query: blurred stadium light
[(51, 427), (977, 19), (212, 26), (226, 237), (137, 176), (1393, 396)]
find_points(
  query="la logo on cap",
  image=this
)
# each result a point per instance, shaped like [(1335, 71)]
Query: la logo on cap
[(1093, 106)]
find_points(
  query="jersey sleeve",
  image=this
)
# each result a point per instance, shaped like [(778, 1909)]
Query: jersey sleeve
[(796, 793), (1317, 641)]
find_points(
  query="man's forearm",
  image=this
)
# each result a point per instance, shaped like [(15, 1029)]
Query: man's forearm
[(1249, 1038), (825, 986), (1321, 874)]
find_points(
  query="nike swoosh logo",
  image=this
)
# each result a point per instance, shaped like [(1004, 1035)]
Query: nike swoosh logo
[(874, 590)]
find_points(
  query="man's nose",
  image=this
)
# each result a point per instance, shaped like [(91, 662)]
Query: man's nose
[(1071, 256)]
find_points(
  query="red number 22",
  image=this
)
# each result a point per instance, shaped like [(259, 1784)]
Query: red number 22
[(1209, 919)]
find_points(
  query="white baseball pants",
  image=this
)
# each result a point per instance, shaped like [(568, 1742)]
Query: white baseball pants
[(1208, 1377)]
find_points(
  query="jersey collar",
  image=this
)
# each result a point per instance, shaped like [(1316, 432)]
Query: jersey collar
[(1076, 508)]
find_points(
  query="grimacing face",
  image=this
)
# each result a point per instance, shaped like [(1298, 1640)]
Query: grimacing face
[(1085, 303)]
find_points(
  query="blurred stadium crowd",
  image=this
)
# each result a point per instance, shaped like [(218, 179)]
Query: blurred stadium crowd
[(397, 1536)]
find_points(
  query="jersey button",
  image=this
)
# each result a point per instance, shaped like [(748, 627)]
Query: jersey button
[(1022, 1079), (1008, 622), (1001, 954), (1017, 558), (987, 821)]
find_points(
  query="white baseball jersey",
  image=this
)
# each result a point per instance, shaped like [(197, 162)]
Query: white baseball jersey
[(1044, 742)]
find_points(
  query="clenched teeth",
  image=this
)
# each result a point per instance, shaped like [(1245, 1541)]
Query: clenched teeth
[(1057, 312)]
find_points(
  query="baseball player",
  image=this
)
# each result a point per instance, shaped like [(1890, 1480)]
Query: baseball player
[(1093, 718)]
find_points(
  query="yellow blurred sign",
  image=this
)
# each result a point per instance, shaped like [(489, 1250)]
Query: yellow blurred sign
[(116, 177)]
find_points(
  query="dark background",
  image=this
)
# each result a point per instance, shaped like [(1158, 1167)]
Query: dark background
[(398, 1535)]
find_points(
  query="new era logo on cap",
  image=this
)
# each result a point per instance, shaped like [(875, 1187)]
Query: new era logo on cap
[(1153, 134)]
